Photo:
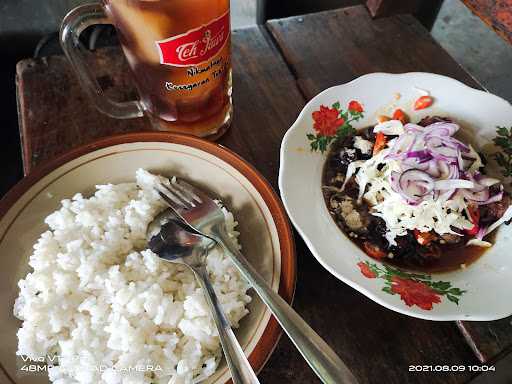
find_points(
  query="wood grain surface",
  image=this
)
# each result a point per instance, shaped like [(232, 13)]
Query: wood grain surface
[(274, 74), (55, 113), (330, 48), (490, 340), (425, 11), (380, 8)]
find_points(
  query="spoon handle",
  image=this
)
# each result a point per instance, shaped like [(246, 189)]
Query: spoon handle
[(239, 366), (321, 358)]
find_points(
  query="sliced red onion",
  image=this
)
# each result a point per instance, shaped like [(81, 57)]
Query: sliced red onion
[(401, 146), (447, 195), (477, 197), (447, 141), (487, 181), (443, 169), (413, 128), (454, 172), (506, 217), (395, 185), (482, 197), (493, 199), (463, 147), (456, 144), (437, 148), (460, 161), (415, 184), (453, 184), (442, 129), (434, 163), (482, 182), (469, 156), (481, 233), (421, 156), (394, 177)]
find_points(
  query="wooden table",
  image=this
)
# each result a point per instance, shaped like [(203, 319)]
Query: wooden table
[(277, 69)]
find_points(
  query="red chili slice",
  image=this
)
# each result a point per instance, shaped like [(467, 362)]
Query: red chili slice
[(474, 213), (373, 250), (423, 102), (380, 143), (423, 238), (400, 115)]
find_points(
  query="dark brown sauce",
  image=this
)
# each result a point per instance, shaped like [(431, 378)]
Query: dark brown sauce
[(452, 256)]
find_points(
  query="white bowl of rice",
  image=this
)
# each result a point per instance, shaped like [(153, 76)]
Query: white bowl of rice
[(85, 301)]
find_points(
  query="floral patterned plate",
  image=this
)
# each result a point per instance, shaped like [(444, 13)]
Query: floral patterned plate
[(481, 291)]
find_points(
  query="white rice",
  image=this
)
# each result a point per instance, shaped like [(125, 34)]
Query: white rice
[(108, 308)]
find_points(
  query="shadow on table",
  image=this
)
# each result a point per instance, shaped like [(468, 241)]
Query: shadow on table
[(13, 48)]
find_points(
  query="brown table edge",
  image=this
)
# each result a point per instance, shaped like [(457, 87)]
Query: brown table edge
[(20, 105)]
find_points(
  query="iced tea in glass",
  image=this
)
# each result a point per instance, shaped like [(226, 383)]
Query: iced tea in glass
[(180, 54)]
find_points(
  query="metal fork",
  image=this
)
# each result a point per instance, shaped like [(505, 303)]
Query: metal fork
[(203, 216), (172, 243)]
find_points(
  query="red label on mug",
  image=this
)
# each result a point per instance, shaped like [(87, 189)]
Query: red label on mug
[(196, 46)]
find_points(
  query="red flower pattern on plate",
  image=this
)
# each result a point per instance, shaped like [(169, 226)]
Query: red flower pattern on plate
[(331, 123), (415, 293), (327, 121), (366, 271), (355, 106), (414, 288)]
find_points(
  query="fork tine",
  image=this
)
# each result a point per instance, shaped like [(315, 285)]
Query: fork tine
[(191, 191), (171, 198), (179, 193), (173, 206), (180, 220)]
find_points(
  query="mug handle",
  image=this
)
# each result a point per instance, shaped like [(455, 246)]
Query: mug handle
[(73, 25)]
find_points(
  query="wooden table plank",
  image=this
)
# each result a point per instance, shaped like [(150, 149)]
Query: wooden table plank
[(381, 8), (426, 11), (266, 101), (502, 374), (55, 113), (490, 340), (379, 345), (331, 48)]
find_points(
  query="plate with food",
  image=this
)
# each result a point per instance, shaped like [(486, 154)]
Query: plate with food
[(91, 303), (400, 186)]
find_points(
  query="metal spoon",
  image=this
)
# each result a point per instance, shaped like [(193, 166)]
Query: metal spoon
[(201, 215), (168, 239)]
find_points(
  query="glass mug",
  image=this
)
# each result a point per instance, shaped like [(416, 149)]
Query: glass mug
[(179, 52)]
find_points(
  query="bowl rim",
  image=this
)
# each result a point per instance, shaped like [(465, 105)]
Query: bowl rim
[(273, 331), (310, 241)]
